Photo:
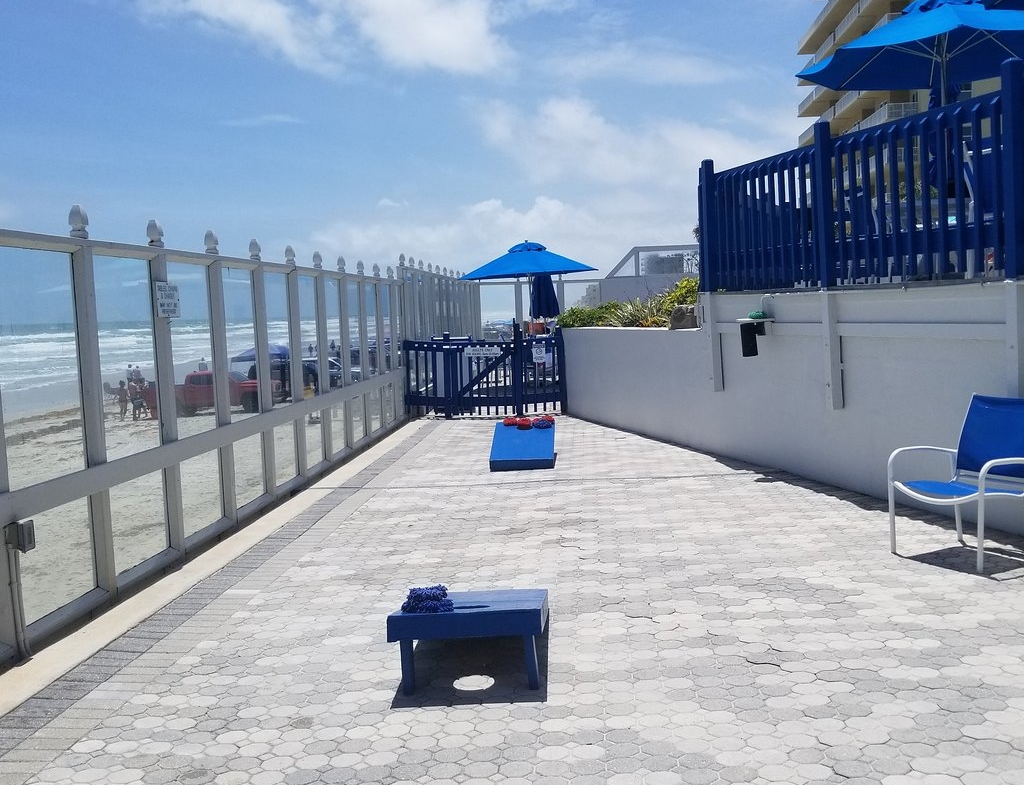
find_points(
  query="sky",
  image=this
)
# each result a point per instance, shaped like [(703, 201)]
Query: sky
[(447, 130)]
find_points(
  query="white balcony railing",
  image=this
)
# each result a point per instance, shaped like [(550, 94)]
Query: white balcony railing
[(888, 112)]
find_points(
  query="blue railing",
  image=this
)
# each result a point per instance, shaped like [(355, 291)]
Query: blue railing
[(458, 376), (935, 196)]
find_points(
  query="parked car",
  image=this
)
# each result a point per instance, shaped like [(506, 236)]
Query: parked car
[(311, 373), (196, 392)]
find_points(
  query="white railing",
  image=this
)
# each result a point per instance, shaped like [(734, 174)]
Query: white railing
[(258, 376), (887, 113)]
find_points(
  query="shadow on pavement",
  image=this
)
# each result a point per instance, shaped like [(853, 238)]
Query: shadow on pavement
[(473, 671)]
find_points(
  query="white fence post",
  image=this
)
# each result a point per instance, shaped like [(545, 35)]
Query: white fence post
[(221, 390), (262, 341), (87, 332), (166, 403), (296, 352), (322, 352)]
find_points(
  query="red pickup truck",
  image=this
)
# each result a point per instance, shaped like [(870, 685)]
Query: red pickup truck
[(197, 392)]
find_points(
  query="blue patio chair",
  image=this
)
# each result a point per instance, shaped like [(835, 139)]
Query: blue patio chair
[(980, 177), (988, 461)]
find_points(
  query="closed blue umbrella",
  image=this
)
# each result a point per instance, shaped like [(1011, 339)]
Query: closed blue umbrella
[(543, 302), (932, 43)]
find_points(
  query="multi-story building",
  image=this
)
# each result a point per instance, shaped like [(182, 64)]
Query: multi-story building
[(839, 22)]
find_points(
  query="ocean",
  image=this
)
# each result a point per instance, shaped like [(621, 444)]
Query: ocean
[(39, 363)]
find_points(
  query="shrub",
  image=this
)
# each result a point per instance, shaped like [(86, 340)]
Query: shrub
[(583, 316), (684, 293), (640, 313), (652, 312)]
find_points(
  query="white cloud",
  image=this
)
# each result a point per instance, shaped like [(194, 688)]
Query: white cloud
[(598, 233), (450, 35), (325, 36), (567, 139), (385, 202), (655, 63), (306, 36)]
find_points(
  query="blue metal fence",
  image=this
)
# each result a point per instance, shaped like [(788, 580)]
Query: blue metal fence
[(459, 376), (935, 196)]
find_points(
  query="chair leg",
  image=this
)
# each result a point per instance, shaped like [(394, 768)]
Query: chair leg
[(892, 518), (959, 524), (981, 533)]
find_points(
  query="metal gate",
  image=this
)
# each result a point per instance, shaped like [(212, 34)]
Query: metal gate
[(459, 376)]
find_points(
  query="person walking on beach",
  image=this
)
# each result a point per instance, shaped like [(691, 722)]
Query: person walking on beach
[(135, 393), (122, 398)]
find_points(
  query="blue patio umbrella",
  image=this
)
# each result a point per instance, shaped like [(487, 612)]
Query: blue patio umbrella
[(932, 43), (533, 261), (526, 259)]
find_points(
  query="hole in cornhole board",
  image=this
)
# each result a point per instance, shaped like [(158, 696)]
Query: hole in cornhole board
[(452, 672), (473, 683)]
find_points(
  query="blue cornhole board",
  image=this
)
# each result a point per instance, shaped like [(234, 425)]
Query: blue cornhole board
[(513, 449), (477, 614)]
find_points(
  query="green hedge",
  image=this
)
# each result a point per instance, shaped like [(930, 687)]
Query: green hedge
[(652, 312)]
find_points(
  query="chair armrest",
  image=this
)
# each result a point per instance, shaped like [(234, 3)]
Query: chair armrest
[(983, 474), (950, 451)]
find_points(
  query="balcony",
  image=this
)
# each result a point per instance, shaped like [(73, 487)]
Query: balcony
[(889, 112), (824, 24), (816, 102), (853, 103), (807, 136)]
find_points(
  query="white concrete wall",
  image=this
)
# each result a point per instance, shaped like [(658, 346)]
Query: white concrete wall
[(905, 364)]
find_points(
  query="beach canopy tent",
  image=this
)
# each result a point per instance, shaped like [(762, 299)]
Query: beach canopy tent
[(533, 261), (277, 352), (932, 44)]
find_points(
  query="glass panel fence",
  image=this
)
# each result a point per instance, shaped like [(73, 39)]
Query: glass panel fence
[(389, 403), (39, 379), (279, 333), (357, 352), (307, 327), (386, 345), (201, 497), (370, 296), (191, 348), (332, 315), (61, 567), (138, 520), (356, 410), (373, 410), (314, 439), (284, 453), (249, 484), (124, 313), (241, 343), (338, 440)]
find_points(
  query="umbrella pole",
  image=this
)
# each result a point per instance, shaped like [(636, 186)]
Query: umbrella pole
[(943, 66)]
